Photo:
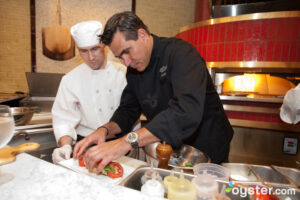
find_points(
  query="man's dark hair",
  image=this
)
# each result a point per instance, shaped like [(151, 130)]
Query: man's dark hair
[(126, 22)]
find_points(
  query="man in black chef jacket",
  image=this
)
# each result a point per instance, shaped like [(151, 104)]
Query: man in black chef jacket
[(167, 81)]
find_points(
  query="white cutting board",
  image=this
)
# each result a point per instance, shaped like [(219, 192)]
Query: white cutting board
[(73, 165)]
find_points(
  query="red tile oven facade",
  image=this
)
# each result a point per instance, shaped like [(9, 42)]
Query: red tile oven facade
[(275, 39), (255, 43)]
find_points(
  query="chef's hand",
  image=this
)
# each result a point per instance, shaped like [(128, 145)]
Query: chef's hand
[(97, 137), (61, 153), (107, 152)]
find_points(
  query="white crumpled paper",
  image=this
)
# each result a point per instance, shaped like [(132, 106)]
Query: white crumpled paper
[(290, 109)]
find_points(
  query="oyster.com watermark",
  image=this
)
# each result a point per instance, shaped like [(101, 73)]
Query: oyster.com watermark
[(258, 190)]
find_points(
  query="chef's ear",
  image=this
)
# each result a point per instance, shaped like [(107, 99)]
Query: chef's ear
[(106, 49), (103, 47)]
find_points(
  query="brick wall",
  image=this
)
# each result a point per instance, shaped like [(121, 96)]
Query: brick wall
[(14, 45)]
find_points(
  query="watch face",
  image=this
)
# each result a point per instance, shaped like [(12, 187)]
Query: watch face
[(132, 137)]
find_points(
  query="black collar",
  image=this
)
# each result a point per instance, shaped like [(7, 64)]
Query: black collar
[(154, 53)]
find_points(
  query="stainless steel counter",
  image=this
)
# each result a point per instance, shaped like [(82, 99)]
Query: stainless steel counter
[(6, 97), (260, 99)]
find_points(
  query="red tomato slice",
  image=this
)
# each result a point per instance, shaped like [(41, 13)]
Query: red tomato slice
[(259, 196), (118, 170), (81, 161)]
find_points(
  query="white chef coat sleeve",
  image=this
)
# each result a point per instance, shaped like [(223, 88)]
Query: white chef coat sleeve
[(65, 112), (290, 109)]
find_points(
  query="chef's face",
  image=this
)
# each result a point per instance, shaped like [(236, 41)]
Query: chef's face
[(134, 53), (93, 56)]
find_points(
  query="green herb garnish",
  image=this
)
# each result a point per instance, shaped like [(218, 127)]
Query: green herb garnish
[(107, 168), (189, 164)]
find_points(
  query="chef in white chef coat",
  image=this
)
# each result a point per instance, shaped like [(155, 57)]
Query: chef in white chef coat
[(290, 108), (89, 94)]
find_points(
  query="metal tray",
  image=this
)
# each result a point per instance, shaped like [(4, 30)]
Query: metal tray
[(291, 173), (269, 175), (133, 181), (286, 192), (240, 172)]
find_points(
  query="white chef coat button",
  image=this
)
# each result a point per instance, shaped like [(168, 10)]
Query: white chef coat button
[(97, 91), (111, 108), (109, 90), (99, 109)]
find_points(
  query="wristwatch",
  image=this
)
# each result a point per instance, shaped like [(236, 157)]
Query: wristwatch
[(132, 139)]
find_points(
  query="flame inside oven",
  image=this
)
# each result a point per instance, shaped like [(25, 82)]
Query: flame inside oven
[(256, 84), (245, 83)]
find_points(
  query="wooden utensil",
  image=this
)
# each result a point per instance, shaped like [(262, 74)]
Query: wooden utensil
[(8, 154), (57, 41)]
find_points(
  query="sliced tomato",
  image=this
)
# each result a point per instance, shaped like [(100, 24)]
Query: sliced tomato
[(259, 196), (81, 161), (118, 170)]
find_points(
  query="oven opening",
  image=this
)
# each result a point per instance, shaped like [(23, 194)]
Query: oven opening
[(255, 86)]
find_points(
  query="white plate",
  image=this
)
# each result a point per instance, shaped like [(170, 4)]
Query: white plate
[(73, 165)]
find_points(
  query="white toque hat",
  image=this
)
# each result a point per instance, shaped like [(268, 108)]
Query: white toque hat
[(86, 33), (290, 109)]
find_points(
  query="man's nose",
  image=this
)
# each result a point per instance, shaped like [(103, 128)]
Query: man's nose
[(91, 55), (126, 60)]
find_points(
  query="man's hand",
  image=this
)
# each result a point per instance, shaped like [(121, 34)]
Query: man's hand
[(97, 137), (62, 153), (107, 152)]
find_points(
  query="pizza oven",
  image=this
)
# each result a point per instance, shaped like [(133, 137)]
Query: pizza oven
[(253, 59)]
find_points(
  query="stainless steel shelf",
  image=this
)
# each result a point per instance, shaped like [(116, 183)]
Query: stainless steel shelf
[(262, 99)]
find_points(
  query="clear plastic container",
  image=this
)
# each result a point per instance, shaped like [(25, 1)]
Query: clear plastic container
[(216, 171), (206, 186)]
